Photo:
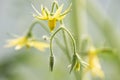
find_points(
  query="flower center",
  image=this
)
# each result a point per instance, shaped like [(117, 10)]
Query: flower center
[(52, 24)]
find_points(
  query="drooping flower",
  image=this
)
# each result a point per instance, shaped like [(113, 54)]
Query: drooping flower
[(94, 65), (51, 17), (26, 41), (75, 65)]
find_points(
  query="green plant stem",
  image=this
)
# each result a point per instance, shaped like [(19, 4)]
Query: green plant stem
[(76, 74), (67, 54), (62, 28), (33, 25), (51, 38), (73, 40), (66, 51), (66, 45)]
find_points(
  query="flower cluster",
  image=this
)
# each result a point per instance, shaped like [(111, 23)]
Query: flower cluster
[(53, 16)]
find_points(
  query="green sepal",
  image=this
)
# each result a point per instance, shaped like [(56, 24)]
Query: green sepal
[(74, 62)]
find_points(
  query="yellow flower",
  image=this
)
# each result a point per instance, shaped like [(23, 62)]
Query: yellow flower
[(26, 41), (75, 63), (38, 45), (51, 17), (94, 65), (18, 42)]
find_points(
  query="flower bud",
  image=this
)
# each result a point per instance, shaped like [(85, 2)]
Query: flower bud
[(74, 62), (51, 64)]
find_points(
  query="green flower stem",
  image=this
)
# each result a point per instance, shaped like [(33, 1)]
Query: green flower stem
[(68, 56), (62, 28), (51, 38), (66, 46), (77, 75), (73, 40), (29, 33), (67, 10)]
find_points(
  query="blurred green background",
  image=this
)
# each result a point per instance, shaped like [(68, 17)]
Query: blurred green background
[(102, 24)]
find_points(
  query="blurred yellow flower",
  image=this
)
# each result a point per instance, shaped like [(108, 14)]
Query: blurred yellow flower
[(26, 41), (94, 65), (18, 42), (51, 17), (38, 45)]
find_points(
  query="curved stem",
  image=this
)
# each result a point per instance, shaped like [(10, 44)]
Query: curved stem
[(33, 25), (66, 45), (51, 51), (73, 40), (62, 28)]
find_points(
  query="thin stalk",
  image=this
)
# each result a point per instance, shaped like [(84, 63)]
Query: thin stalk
[(73, 40), (62, 28), (33, 25), (51, 38), (66, 45), (74, 44)]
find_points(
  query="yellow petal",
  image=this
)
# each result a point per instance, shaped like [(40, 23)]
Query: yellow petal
[(36, 10), (38, 45), (16, 42), (94, 63), (44, 13), (60, 17), (57, 13), (97, 72), (19, 47), (40, 17), (67, 10), (48, 12), (96, 67)]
